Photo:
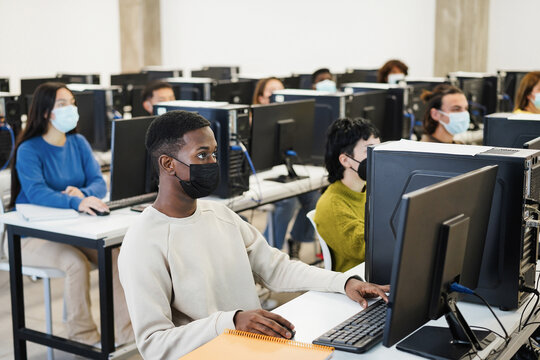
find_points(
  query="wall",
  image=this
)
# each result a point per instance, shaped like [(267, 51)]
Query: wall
[(41, 38), (300, 35), (513, 40)]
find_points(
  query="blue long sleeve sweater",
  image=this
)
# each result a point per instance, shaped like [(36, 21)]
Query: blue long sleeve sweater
[(46, 170)]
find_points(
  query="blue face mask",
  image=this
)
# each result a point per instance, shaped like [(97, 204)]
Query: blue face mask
[(537, 101), (326, 85), (459, 122), (395, 78), (65, 118)]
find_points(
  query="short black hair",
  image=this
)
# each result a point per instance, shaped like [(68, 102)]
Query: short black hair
[(341, 138), (149, 89), (319, 72), (165, 134)]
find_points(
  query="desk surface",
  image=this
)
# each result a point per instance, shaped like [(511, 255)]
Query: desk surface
[(314, 313)]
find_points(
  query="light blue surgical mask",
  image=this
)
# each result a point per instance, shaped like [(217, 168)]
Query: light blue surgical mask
[(459, 122), (395, 78), (65, 118), (537, 101), (326, 85)]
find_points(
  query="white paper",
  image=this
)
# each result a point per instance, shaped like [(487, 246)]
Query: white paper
[(31, 212)]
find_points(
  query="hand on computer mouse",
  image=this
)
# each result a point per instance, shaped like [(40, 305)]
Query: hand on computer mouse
[(263, 322), (91, 205)]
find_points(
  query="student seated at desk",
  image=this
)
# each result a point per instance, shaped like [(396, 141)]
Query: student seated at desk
[(340, 212), (446, 114), (188, 266), (528, 94), (53, 166), (156, 92), (392, 72), (284, 210), (323, 80)]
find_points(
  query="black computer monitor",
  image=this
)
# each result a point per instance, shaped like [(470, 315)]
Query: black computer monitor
[(233, 92), (217, 72), (440, 241), (129, 160), (4, 85), (510, 130), (533, 144), (510, 81), (78, 78), (369, 105), (28, 86), (279, 128), (356, 75)]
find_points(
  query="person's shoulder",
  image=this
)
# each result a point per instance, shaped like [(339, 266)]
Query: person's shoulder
[(77, 138), (217, 209), (32, 145), (147, 224)]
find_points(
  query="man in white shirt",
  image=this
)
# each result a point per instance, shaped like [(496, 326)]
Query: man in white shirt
[(188, 266)]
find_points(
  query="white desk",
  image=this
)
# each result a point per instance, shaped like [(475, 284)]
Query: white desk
[(263, 191), (314, 313)]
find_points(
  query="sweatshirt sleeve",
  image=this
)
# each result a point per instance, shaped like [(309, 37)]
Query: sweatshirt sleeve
[(30, 171), (278, 273), (95, 184), (149, 292)]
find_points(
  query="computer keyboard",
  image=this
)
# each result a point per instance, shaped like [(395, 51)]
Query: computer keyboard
[(130, 201), (358, 333)]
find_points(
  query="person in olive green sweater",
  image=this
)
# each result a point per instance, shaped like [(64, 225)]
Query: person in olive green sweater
[(339, 215)]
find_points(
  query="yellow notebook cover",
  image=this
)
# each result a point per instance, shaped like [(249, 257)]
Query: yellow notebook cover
[(241, 345)]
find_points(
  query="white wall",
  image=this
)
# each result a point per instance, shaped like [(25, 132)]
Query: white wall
[(40, 38), (513, 41), (280, 36)]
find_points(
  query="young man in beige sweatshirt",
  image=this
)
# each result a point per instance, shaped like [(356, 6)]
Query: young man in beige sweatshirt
[(188, 266)]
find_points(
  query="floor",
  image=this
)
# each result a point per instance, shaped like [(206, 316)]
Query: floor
[(35, 313)]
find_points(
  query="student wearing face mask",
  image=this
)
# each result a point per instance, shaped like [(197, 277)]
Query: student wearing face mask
[(156, 92), (322, 80), (340, 212), (284, 210), (392, 72), (446, 114), (528, 94), (54, 166), (188, 266)]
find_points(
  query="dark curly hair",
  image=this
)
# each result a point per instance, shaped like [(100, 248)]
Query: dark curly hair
[(341, 138)]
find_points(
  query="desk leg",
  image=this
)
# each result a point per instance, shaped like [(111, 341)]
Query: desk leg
[(106, 298), (17, 294)]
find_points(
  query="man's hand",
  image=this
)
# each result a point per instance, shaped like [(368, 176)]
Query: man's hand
[(359, 291), (73, 191), (263, 322)]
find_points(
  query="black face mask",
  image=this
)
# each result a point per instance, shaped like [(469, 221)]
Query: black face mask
[(203, 179), (362, 167)]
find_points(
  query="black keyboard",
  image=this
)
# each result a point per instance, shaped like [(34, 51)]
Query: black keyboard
[(130, 201), (358, 333)]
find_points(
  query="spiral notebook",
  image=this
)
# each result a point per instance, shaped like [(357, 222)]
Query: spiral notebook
[(241, 345)]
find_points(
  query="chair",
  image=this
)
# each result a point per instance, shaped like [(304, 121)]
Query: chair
[(44, 273), (327, 256)]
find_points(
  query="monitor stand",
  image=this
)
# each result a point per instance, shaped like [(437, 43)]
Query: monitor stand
[(457, 341), (292, 176)]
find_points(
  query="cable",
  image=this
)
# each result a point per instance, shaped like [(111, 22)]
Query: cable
[(5, 126), (537, 294), (242, 147)]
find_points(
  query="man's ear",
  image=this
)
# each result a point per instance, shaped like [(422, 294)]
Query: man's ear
[(166, 164), (147, 105), (435, 115)]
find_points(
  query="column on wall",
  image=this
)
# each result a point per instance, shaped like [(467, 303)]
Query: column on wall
[(140, 34), (461, 36)]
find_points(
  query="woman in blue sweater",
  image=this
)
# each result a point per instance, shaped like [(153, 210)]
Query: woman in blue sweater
[(54, 166)]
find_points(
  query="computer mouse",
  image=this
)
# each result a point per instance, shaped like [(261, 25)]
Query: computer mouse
[(293, 332), (100, 213)]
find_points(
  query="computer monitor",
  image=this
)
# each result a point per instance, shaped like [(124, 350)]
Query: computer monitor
[(217, 72), (510, 130), (129, 160), (370, 105), (440, 241), (399, 167), (533, 144), (279, 128), (509, 84), (78, 78), (198, 89), (233, 91), (356, 75), (4, 85), (28, 86)]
